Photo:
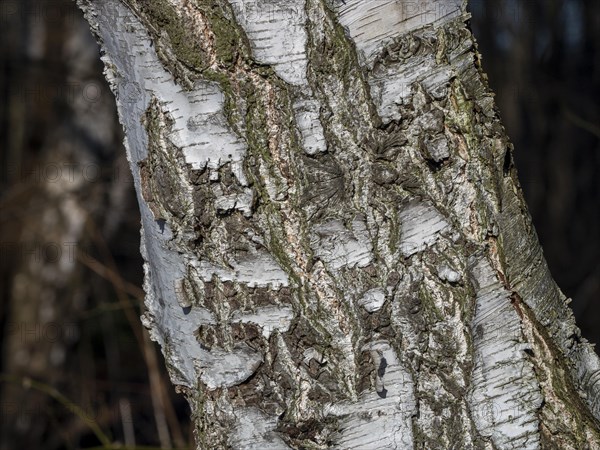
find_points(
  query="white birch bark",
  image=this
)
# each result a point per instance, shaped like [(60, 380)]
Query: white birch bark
[(338, 254)]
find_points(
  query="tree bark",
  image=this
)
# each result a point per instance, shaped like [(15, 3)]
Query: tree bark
[(337, 249)]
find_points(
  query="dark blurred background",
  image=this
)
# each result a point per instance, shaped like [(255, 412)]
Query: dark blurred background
[(77, 369)]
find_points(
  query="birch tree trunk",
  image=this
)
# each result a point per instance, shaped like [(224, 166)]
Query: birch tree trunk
[(337, 249)]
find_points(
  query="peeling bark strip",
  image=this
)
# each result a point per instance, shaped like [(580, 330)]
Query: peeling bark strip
[(336, 255), (505, 393)]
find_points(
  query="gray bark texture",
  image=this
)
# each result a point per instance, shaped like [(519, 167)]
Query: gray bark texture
[(338, 253)]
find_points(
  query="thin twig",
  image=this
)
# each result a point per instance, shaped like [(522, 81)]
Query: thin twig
[(28, 383)]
